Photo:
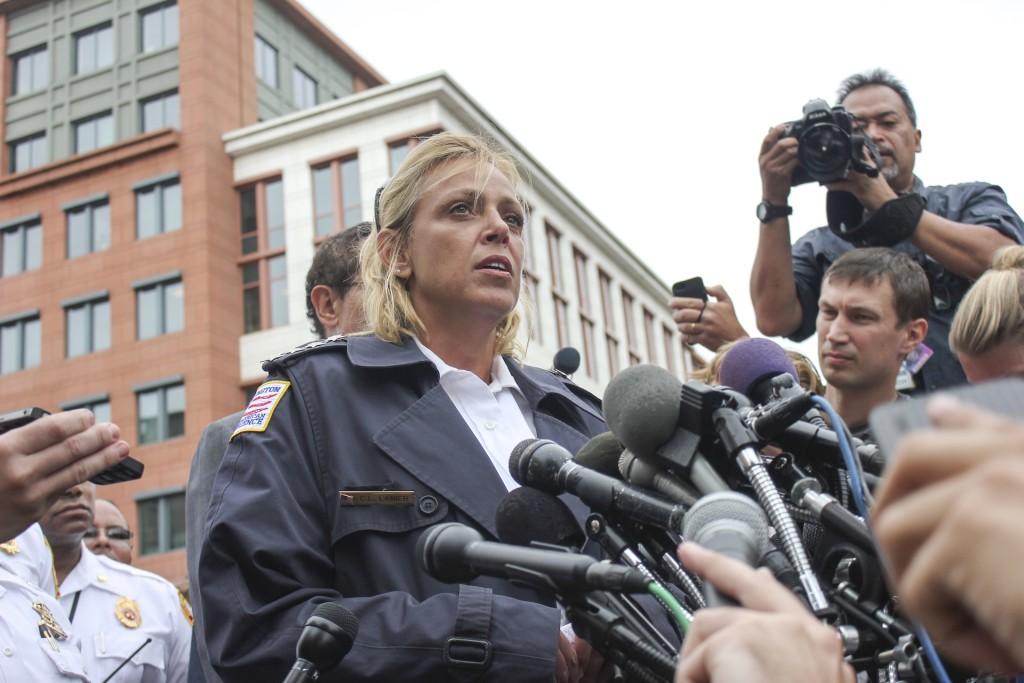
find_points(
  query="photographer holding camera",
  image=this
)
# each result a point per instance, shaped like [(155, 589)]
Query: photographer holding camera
[(866, 159)]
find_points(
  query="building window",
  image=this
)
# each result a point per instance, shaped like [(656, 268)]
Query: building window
[(87, 326), (157, 208), (160, 111), (336, 192), (670, 356), (303, 89), (263, 264), (28, 152), (94, 49), (21, 247), (557, 295), (99, 405), (630, 323), (93, 132), (161, 413), (586, 317), (399, 149), (266, 62), (88, 228), (30, 70), (652, 347), (159, 27), (159, 308), (20, 342), (532, 285), (161, 523)]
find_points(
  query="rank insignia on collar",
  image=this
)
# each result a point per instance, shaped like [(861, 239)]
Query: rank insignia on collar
[(185, 608), (10, 547), (48, 626), (127, 612)]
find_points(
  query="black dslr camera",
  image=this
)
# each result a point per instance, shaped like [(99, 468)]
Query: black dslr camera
[(829, 145)]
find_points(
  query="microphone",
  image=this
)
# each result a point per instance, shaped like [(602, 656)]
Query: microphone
[(546, 465), (526, 515), (751, 365), (325, 640), (641, 473), (456, 553), (731, 524), (643, 407), (567, 361), (601, 454)]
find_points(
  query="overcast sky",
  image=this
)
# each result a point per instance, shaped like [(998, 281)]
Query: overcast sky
[(652, 113)]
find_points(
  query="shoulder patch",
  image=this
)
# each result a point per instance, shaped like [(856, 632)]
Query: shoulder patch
[(283, 359), (256, 417)]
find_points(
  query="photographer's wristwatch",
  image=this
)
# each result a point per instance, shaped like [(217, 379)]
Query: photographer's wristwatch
[(767, 212)]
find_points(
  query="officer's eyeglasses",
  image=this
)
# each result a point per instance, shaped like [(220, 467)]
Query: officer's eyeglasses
[(114, 533)]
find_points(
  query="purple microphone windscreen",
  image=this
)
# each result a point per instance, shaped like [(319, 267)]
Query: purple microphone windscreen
[(641, 405), (527, 514), (751, 361)]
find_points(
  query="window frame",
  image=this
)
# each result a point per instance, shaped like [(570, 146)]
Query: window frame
[(335, 167), (160, 284), (408, 141), (263, 255), (159, 185), (29, 53), (93, 119), (20, 321), (92, 32), (161, 389), (298, 74), (90, 403), (162, 98), (89, 303), (165, 522), (22, 226), (27, 139), (261, 45), (87, 207), (159, 8)]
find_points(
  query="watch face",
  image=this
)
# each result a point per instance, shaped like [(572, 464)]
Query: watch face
[(762, 211)]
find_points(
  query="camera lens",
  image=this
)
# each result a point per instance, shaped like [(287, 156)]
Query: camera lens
[(825, 152)]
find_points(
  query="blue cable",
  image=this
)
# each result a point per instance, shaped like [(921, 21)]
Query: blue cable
[(858, 498), (847, 451)]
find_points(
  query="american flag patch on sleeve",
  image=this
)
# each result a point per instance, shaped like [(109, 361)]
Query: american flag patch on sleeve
[(256, 417)]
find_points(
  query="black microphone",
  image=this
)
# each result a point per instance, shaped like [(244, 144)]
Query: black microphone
[(527, 514), (731, 524), (456, 553), (643, 407), (325, 640), (567, 361), (641, 473), (546, 465), (601, 454)]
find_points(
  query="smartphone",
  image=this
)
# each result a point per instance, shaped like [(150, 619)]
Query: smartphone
[(691, 289), (891, 421), (128, 469)]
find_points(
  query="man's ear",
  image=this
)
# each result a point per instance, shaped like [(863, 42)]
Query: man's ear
[(915, 334), (323, 297), (917, 140), (386, 249)]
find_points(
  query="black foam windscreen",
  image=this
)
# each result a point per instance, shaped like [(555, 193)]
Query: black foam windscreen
[(641, 405), (750, 362), (327, 636), (527, 514), (567, 360), (601, 454)]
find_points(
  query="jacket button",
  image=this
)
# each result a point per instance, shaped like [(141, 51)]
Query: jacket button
[(428, 505)]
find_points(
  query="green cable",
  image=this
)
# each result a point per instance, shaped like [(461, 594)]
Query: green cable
[(670, 601)]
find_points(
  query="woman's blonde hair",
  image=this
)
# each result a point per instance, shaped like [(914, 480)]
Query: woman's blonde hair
[(388, 306), (992, 311)]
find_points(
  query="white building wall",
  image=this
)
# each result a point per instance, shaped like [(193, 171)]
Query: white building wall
[(364, 123)]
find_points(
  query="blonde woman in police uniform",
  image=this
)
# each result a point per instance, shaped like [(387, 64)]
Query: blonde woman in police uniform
[(123, 615)]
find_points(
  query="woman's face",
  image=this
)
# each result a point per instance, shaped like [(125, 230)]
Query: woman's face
[(464, 260)]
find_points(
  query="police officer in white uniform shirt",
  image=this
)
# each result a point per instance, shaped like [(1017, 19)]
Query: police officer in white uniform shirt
[(125, 617), (36, 642)]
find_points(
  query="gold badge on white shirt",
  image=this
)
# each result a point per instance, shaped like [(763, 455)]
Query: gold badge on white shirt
[(127, 612)]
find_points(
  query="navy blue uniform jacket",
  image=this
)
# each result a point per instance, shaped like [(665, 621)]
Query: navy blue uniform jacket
[(362, 413)]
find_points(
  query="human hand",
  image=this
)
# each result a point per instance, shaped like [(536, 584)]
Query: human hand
[(947, 517), (871, 192), (42, 460), (774, 639), (710, 323), (567, 662), (777, 160)]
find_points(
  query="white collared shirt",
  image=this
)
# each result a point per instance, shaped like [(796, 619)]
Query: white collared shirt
[(496, 413), (114, 607)]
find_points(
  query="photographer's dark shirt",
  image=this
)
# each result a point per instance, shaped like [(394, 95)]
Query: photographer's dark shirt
[(972, 203)]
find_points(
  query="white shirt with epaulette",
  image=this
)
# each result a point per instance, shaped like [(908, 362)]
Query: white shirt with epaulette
[(28, 556), (36, 642), (114, 608)]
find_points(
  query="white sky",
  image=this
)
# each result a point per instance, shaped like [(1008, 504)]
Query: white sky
[(652, 113)]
